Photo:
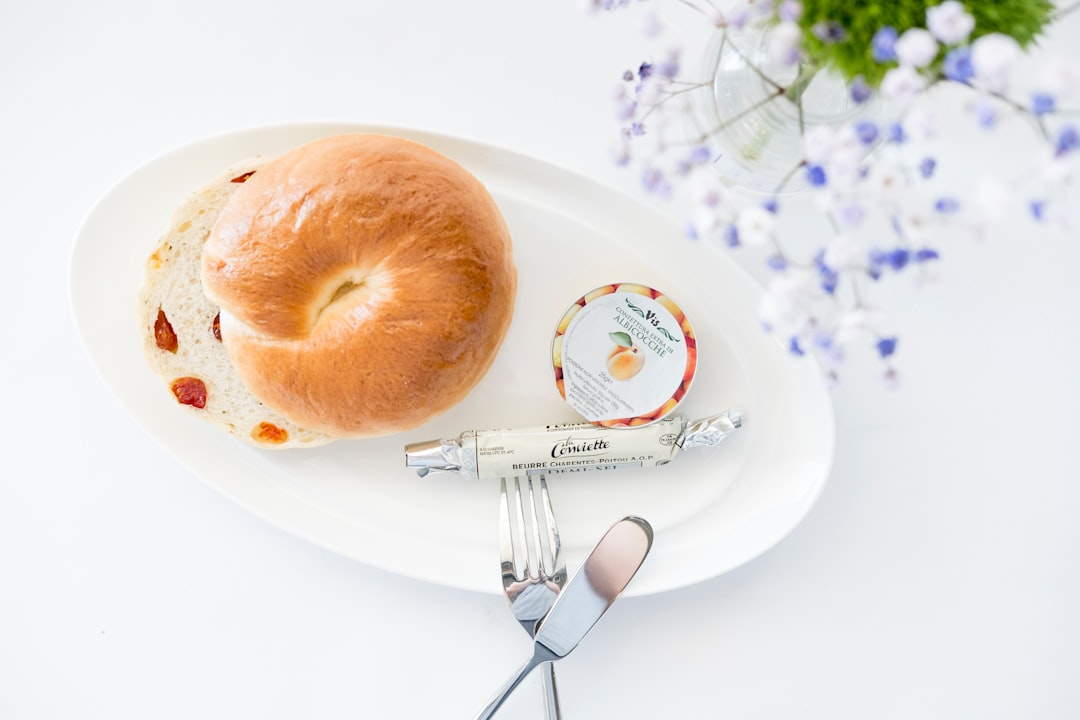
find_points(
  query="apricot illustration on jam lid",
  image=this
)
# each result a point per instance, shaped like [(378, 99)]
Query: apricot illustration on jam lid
[(626, 359), (624, 355)]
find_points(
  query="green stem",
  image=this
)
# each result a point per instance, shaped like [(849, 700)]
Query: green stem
[(807, 72)]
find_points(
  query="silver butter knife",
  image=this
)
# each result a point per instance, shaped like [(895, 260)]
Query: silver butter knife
[(587, 596)]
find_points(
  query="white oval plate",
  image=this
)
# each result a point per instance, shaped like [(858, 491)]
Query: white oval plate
[(712, 509)]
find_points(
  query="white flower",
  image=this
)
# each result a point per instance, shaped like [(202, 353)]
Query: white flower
[(754, 225), (782, 46), (736, 18), (886, 181), (913, 224), (901, 83), (1057, 171), (818, 144), (992, 56), (919, 123), (786, 305), (706, 224), (790, 10), (838, 152), (845, 165), (844, 253), (1058, 77), (704, 190), (858, 324), (949, 22), (916, 47), (625, 107)]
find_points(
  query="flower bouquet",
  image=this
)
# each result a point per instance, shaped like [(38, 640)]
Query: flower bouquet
[(832, 111)]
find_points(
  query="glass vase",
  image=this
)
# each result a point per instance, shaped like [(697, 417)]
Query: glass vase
[(754, 110)]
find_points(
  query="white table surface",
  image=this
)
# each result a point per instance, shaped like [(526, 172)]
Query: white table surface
[(938, 576)]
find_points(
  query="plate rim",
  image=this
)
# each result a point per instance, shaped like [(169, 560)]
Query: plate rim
[(320, 539)]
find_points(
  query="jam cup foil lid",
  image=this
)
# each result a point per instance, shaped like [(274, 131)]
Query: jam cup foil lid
[(624, 355)]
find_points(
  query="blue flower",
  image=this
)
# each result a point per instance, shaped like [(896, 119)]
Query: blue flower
[(669, 68), (777, 263), (884, 44), (1038, 209), (829, 277), (815, 175), (926, 254), (637, 128), (1042, 103), (957, 65), (887, 346), (829, 349), (692, 232), (656, 182), (699, 154), (947, 205), (772, 205), (860, 91), (895, 132), (829, 32), (985, 115), (644, 70), (625, 110), (866, 131), (898, 259), (731, 236), (927, 166), (1068, 139), (793, 346), (851, 214)]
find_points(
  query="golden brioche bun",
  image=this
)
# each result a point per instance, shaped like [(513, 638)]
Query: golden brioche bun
[(365, 283)]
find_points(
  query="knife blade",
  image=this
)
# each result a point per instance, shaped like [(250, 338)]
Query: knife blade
[(603, 576)]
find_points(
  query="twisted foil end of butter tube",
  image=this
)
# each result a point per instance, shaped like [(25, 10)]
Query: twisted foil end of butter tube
[(710, 431), (433, 455)]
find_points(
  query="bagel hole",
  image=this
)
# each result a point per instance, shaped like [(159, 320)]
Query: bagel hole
[(347, 289), (344, 289), (353, 293)]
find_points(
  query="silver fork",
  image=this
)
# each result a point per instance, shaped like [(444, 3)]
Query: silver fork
[(533, 569)]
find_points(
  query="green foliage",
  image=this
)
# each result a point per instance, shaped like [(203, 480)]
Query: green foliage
[(1024, 20)]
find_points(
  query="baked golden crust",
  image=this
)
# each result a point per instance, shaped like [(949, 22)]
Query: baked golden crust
[(366, 283)]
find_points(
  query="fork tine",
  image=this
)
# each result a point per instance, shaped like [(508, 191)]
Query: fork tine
[(537, 551), (553, 560), (507, 557), (523, 559)]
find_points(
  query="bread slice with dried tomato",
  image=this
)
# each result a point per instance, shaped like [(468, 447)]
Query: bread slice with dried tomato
[(179, 327)]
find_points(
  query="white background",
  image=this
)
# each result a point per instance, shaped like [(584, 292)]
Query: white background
[(937, 577)]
